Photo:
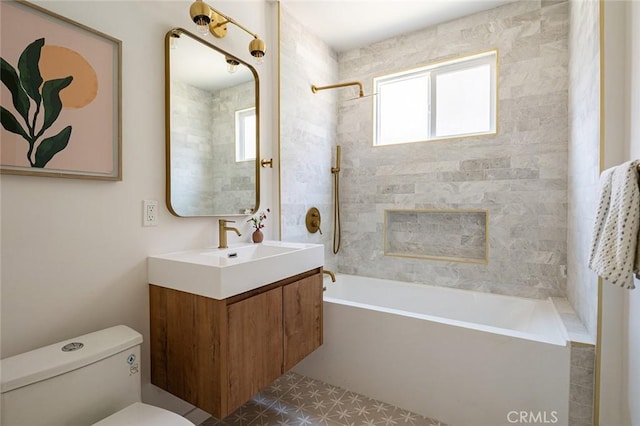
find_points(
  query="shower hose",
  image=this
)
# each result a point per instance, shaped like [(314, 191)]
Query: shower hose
[(336, 213)]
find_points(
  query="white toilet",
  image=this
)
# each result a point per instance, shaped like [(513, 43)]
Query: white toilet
[(91, 379)]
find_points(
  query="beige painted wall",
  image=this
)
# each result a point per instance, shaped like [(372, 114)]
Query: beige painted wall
[(74, 251)]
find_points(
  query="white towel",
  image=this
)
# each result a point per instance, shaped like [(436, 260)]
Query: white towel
[(615, 249)]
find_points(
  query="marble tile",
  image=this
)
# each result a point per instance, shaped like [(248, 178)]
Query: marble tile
[(518, 176), (190, 168), (583, 161), (436, 234), (307, 137)]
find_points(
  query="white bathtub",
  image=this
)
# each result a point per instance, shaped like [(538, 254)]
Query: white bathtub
[(462, 357)]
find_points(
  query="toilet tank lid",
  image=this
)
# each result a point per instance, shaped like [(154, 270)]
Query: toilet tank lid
[(50, 361)]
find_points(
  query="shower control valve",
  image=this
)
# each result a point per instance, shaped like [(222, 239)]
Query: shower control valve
[(313, 220)]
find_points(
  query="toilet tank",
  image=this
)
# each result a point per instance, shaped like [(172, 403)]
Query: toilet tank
[(75, 382)]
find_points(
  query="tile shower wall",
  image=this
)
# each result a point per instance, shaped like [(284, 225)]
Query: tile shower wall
[(307, 136), (234, 182), (581, 382), (584, 158), (197, 139), (519, 175), (190, 136), (459, 236)]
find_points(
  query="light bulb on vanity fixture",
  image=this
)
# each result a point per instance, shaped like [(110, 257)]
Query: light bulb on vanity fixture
[(202, 26), (210, 20), (175, 36), (201, 15), (257, 48), (232, 64)]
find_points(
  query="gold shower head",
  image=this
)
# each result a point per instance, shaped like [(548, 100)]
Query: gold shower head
[(361, 97)]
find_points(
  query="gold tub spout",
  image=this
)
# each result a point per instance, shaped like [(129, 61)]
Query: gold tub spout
[(331, 274)]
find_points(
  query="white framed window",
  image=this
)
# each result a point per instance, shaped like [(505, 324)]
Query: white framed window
[(246, 134), (449, 99)]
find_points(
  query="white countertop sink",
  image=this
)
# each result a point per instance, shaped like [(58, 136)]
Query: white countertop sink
[(221, 273)]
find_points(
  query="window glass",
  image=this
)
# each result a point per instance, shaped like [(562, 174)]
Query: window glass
[(463, 101), (404, 116), (246, 134), (448, 99)]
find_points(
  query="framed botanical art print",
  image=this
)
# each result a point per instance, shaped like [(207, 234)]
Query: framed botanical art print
[(60, 96)]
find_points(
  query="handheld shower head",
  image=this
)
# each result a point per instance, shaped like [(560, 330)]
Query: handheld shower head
[(336, 169)]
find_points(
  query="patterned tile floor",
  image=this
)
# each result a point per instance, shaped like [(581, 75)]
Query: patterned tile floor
[(295, 400)]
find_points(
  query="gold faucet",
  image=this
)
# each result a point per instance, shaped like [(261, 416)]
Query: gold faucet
[(331, 274), (222, 232)]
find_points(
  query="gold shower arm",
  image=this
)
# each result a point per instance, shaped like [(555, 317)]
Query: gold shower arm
[(315, 88)]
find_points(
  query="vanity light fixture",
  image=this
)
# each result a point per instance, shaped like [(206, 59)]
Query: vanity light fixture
[(209, 20), (232, 64)]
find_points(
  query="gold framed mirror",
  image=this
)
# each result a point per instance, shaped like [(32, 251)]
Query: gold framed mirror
[(212, 118)]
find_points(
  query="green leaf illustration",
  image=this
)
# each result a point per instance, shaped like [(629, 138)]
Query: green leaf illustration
[(10, 123), (51, 100), (29, 70), (12, 81), (51, 146)]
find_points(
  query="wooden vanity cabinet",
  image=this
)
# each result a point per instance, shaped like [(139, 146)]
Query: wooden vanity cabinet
[(217, 354), (254, 345), (302, 310)]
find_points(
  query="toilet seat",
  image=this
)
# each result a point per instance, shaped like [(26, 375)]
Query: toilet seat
[(139, 414)]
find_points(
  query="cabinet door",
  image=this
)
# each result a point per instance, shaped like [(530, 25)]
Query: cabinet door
[(186, 346), (255, 345), (302, 302)]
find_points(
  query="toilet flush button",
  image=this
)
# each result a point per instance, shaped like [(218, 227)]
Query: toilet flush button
[(134, 368), (73, 346)]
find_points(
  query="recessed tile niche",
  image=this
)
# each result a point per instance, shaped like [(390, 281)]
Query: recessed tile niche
[(448, 235)]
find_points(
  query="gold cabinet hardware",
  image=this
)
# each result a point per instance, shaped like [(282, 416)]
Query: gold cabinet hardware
[(265, 163)]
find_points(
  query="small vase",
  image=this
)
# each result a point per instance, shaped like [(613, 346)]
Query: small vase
[(257, 236)]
